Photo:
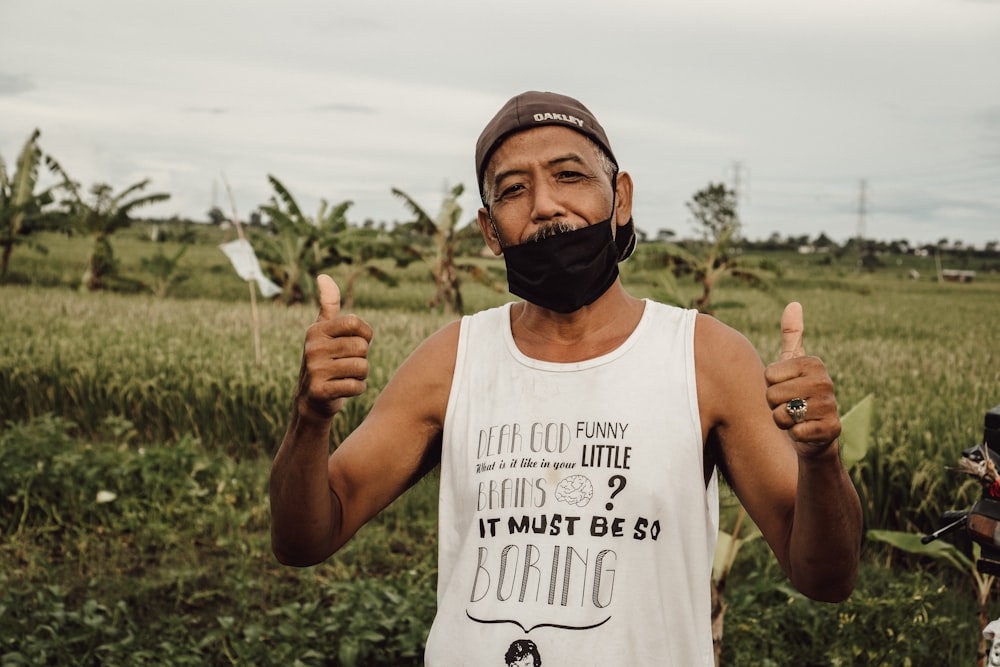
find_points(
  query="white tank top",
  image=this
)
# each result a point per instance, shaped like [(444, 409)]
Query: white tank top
[(574, 515)]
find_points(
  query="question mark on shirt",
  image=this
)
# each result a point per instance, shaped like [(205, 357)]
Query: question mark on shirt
[(615, 481)]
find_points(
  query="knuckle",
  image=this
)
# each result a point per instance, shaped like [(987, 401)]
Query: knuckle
[(317, 329), (346, 387), (324, 347), (356, 346), (359, 368), (350, 321), (317, 388), (771, 395)]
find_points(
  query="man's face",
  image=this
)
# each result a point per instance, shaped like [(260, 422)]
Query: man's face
[(543, 180), (526, 661)]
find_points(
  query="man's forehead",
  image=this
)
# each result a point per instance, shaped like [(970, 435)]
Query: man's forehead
[(544, 144)]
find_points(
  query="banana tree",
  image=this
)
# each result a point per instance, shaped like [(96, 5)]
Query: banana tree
[(711, 258), (164, 270), (301, 246), (363, 248), (436, 243), (22, 210), (100, 216)]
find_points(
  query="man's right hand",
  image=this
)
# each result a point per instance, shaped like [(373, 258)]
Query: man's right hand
[(334, 358)]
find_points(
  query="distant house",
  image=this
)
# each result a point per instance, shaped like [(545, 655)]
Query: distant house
[(958, 276)]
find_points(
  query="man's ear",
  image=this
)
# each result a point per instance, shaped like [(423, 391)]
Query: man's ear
[(489, 232), (623, 199)]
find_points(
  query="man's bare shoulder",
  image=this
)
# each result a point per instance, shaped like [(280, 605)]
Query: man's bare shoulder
[(729, 371), (718, 343), (436, 353)]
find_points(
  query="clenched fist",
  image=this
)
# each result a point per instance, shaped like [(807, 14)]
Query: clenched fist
[(334, 358), (800, 392)]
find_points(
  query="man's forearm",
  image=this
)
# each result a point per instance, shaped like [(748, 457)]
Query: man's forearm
[(305, 512), (825, 541)]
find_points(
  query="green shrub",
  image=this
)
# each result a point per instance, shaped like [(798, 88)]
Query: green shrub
[(113, 553), (894, 618)]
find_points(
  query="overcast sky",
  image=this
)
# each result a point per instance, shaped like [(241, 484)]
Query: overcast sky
[(794, 102)]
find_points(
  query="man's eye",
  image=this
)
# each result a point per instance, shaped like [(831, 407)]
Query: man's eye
[(510, 190), (569, 175)]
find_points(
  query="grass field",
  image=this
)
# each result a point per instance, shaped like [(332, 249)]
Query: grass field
[(137, 434)]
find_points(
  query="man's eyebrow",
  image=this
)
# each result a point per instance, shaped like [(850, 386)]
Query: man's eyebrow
[(501, 175), (554, 162), (570, 157)]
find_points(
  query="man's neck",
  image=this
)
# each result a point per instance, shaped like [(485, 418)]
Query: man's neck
[(586, 333)]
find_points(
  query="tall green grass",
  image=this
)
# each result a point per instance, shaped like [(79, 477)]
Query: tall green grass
[(928, 352), (173, 368)]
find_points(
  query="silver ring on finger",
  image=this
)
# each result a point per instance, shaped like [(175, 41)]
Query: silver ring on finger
[(796, 409)]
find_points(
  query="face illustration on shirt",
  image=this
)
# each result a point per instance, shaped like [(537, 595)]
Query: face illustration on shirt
[(523, 653)]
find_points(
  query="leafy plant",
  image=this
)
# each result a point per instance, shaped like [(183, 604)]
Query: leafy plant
[(435, 241), (22, 210), (711, 259), (364, 247), (949, 554), (99, 217), (301, 246), (894, 618), (118, 554), (164, 270)]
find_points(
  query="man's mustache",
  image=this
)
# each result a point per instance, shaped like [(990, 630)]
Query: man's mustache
[(551, 229)]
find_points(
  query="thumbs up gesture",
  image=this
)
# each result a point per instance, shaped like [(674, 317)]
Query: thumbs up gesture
[(334, 357), (799, 391)]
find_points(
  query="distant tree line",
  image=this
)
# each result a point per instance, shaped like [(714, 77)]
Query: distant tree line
[(294, 246)]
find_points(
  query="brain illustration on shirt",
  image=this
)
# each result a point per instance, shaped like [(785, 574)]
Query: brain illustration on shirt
[(575, 490)]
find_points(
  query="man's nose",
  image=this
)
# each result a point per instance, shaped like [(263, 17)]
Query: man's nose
[(545, 203)]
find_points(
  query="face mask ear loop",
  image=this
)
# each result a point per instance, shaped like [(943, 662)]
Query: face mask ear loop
[(614, 198), (493, 224)]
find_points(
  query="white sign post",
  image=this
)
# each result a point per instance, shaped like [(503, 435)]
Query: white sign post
[(244, 260)]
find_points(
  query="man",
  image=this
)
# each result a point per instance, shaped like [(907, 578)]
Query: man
[(579, 431)]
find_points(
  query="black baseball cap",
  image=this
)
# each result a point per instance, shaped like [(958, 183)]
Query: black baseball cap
[(533, 109)]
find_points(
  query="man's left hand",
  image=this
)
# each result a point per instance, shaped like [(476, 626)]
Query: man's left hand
[(799, 390)]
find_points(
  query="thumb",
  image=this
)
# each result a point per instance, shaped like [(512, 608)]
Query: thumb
[(791, 332), (329, 298)]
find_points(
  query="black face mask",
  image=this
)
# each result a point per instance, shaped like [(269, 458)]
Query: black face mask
[(564, 272)]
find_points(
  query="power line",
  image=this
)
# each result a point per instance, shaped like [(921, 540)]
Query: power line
[(739, 181), (862, 209), (737, 167), (862, 222)]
